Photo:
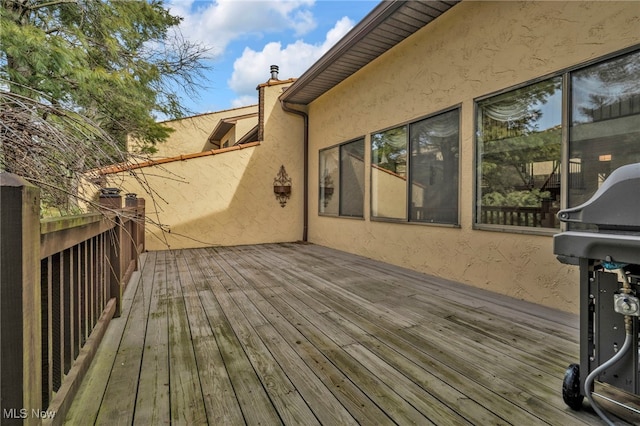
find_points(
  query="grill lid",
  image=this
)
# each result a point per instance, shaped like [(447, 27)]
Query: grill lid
[(614, 206)]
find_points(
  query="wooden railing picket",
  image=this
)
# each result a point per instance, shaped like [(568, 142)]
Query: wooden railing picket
[(59, 279), (20, 313)]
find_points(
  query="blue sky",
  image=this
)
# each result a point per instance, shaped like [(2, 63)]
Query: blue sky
[(245, 37)]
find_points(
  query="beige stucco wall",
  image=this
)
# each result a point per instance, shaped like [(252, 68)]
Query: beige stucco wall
[(226, 199), (475, 49), (191, 133), (390, 200)]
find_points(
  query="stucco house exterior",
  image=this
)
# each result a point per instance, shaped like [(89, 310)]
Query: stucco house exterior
[(438, 136), (204, 132)]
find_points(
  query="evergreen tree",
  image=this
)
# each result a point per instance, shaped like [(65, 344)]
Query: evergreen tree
[(116, 62)]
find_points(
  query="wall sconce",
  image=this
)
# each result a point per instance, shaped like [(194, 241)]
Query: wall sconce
[(326, 188), (282, 186)]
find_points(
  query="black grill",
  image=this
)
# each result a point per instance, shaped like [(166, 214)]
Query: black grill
[(604, 241)]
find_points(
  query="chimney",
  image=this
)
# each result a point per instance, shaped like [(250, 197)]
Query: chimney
[(274, 72)]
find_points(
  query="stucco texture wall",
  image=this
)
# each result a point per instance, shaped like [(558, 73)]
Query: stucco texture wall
[(191, 133), (226, 199), (474, 49)]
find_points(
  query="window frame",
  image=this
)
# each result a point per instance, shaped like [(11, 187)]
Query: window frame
[(477, 178), (338, 146), (408, 197), (565, 75)]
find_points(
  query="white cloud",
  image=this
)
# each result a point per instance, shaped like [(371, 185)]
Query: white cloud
[(216, 24), (244, 101), (252, 68)]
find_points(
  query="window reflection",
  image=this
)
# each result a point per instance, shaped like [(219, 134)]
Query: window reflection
[(434, 169), (352, 179), (605, 123), (519, 149), (389, 173), (329, 182), (341, 180)]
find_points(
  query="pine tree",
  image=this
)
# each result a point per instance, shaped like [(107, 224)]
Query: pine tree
[(120, 63)]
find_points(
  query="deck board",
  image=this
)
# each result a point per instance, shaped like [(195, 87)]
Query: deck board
[(186, 398), (118, 402), (152, 399), (302, 334)]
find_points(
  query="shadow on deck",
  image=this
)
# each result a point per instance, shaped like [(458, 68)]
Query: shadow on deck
[(301, 334)]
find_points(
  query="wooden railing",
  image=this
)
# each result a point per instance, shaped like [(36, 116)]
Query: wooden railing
[(518, 216), (61, 283)]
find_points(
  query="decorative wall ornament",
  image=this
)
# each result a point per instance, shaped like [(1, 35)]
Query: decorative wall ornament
[(282, 186), (326, 187)]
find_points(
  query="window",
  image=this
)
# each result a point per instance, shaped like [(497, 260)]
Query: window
[(431, 168), (434, 169), (605, 123), (352, 179), (341, 177), (519, 139), (389, 173)]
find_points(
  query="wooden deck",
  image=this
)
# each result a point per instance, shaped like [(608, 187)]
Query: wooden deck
[(299, 334)]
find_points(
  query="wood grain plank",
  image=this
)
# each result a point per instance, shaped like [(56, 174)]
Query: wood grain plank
[(152, 401), (444, 392), (283, 342), (332, 295), (118, 403), (219, 397), (306, 338), (290, 405), (186, 399), (301, 334), (252, 396)]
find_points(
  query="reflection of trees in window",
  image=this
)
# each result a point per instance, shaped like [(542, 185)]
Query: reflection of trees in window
[(519, 139), (423, 187), (389, 150), (607, 90), (605, 122)]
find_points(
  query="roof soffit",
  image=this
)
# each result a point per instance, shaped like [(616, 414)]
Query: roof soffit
[(387, 25)]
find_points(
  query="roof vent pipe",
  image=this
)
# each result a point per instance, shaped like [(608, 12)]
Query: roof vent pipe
[(274, 72)]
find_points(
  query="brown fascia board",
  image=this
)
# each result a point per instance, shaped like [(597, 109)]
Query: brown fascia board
[(225, 124)]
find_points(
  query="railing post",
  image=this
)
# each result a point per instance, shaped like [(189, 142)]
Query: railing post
[(138, 205), (20, 310), (110, 198), (131, 203), (141, 225)]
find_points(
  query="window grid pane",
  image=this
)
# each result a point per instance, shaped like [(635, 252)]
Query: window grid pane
[(329, 190), (519, 150), (434, 169), (605, 124), (352, 179), (389, 174)]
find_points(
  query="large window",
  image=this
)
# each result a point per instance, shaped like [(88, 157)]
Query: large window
[(421, 186), (341, 178), (605, 123), (519, 140)]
